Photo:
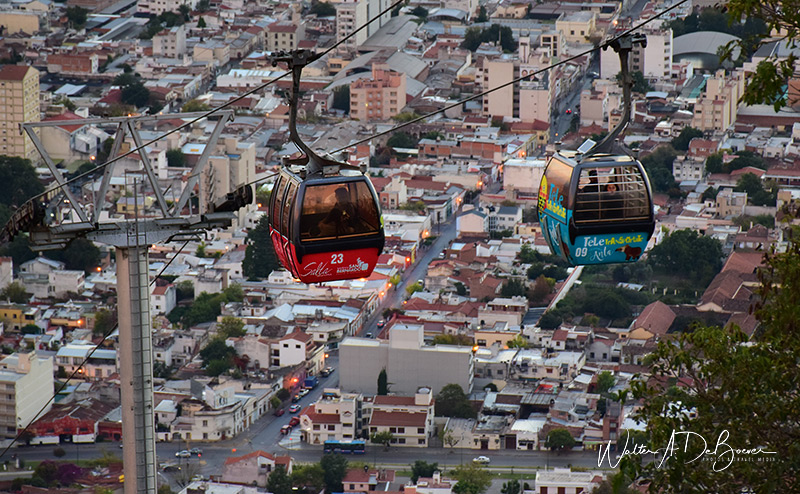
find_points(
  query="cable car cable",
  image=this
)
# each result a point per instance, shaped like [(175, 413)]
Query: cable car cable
[(217, 109), (513, 81), (86, 359)]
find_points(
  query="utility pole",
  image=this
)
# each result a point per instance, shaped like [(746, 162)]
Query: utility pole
[(131, 239)]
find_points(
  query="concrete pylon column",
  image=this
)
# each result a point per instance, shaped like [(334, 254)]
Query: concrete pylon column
[(136, 367)]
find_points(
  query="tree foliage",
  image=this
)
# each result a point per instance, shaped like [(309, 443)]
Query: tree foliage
[(341, 98), (511, 487), (559, 440), (309, 478), (14, 292), (259, 257), (207, 306), (18, 181), (383, 383), (550, 320), (474, 36), (513, 287), (383, 437), (452, 339), (175, 157), (279, 481), (104, 320), (453, 402), (334, 468), (230, 327), (756, 193), (681, 143), (323, 9), (658, 165), (402, 140), (684, 248), (77, 17), (422, 468), (471, 479), (734, 387), (81, 255), (195, 105), (605, 381)]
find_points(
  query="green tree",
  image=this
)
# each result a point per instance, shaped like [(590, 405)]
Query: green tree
[(279, 481), (422, 468), (559, 440), (81, 255), (30, 329), (681, 143), (275, 402), (453, 339), (453, 402), (18, 181), (658, 165), (402, 140), (341, 98), (482, 17), (519, 341), (218, 367), (383, 437), (460, 288), (323, 9), (714, 163), (165, 489), (77, 17), (414, 288), (405, 117), (137, 95), (511, 487), (420, 12), (230, 327), (737, 387), (383, 383), (283, 394), (471, 479), (195, 105), (309, 477), (334, 468), (14, 292), (684, 248), (541, 289), (512, 288), (605, 381), (201, 23), (259, 257), (216, 349), (175, 157), (104, 320), (710, 194), (550, 320)]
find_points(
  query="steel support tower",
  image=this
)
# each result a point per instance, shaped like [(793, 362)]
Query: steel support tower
[(131, 239)]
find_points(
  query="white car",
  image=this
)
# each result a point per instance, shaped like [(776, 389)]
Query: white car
[(183, 454), (303, 392), (483, 460)]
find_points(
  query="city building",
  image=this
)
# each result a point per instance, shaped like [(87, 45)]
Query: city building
[(408, 362), (284, 36), (170, 42), (715, 110), (352, 14), (254, 468), (408, 418), (336, 416), (379, 98), (19, 90), (27, 381)]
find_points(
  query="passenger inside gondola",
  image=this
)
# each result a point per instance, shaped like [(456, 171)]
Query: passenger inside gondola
[(330, 212)]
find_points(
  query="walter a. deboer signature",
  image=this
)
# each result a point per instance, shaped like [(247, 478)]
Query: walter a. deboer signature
[(723, 455)]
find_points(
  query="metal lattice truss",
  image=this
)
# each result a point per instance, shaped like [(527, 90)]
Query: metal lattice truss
[(119, 232)]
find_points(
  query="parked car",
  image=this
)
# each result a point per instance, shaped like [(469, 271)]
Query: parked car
[(294, 408), (569, 111), (302, 393), (327, 371), (483, 460), (296, 398), (294, 421), (278, 412), (286, 429), (381, 323), (183, 454), (196, 451), (368, 335)]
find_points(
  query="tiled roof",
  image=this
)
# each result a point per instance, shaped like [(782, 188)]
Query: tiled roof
[(254, 454), (13, 72), (410, 419), (656, 318), (67, 115), (394, 400)]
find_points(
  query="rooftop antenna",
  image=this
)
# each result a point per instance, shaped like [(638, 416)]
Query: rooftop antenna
[(623, 46)]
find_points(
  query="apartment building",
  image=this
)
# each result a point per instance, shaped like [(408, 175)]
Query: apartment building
[(26, 382), (284, 36), (409, 363), (101, 364), (352, 14), (408, 418), (336, 416), (19, 94), (577, 27), (157, 7), (528, 100), (715, 111), (171, 42), (379, 98)]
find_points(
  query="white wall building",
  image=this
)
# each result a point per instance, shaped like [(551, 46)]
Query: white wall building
[(27, 381)]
